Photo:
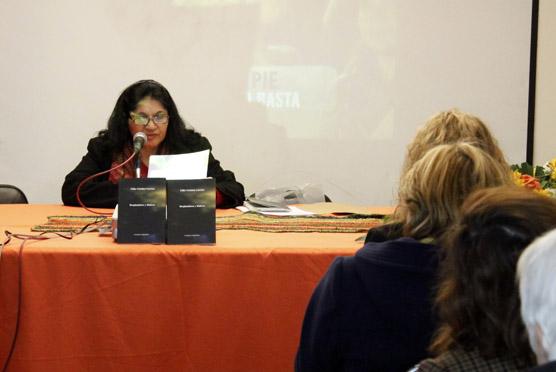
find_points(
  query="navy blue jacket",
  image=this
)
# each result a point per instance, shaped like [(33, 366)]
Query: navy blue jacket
[(372, 311)]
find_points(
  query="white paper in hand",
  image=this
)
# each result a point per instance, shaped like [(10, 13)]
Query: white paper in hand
[(179, 167)]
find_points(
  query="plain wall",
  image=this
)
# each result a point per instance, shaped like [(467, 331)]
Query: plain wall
[(545, 107)]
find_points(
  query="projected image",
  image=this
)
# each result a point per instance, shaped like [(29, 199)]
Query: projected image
[(318, 69), (299, 98), (210, 3), (327, 91), (325, 69), (265, 87), (289, 91)]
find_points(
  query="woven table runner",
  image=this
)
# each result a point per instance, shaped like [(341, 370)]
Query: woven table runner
[(73, 224), (353, 223)]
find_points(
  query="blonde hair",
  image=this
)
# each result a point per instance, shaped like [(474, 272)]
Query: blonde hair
[(450, 127), (432, 191)]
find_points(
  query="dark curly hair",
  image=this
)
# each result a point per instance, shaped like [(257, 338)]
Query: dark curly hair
[(117, 133), (477, 298)]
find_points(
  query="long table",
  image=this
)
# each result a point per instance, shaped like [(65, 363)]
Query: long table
[(90, 304)]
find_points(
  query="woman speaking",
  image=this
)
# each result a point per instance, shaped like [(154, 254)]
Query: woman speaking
[(147, 107)]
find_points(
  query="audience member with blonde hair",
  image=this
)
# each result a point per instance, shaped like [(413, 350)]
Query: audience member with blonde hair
[(536, 271), (372, 311), (477, 298), (452, 126), (446, 127)]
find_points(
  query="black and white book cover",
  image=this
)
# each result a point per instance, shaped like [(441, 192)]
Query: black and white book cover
[(142, 210), (191, 211)]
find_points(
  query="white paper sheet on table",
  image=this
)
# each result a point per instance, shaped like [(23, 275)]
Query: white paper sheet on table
[(179, 167), (293, 211)]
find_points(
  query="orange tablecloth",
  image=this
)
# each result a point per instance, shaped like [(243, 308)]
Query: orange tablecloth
[(89, 304)]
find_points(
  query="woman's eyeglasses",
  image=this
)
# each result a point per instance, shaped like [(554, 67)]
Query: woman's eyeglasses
[(159, 118)]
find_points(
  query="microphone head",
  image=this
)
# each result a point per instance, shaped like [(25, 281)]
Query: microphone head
[(139, 140), (140, 136)]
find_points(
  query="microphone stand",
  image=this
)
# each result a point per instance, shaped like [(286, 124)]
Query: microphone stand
[(138, 166)]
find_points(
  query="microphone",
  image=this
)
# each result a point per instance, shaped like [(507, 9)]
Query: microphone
[(139, 140)]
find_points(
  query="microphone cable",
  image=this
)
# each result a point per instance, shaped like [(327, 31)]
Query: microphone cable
[(87, 179), (24, 239), (44, 236)]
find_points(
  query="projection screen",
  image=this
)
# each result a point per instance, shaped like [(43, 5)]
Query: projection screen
[(289, 92)]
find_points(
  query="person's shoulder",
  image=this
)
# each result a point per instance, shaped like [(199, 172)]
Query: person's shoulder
[(400, 246), (340, 270), (449, 361), (341, 264), (459, 360), (338, 281), (384, 232), (99, 143), (405, 253), (428, 365), (193, 141), (548, 367)]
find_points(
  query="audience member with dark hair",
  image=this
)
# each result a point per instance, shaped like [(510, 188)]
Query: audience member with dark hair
[(145, 106), (372, 311), (446, 127), (536, 271), (478, 300)]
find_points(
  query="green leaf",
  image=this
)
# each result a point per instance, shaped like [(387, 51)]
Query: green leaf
[(540, 172), (526, 168)]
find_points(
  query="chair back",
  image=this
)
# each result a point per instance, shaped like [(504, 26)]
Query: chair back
[(12, 195)]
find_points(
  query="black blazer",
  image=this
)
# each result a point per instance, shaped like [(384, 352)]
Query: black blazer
[(102, 193)]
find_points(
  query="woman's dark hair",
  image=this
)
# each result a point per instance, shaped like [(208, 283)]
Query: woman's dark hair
[(117, 132), (477, 299)]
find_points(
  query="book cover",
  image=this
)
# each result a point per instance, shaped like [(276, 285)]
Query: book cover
[(191, 211), (141, 210)]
